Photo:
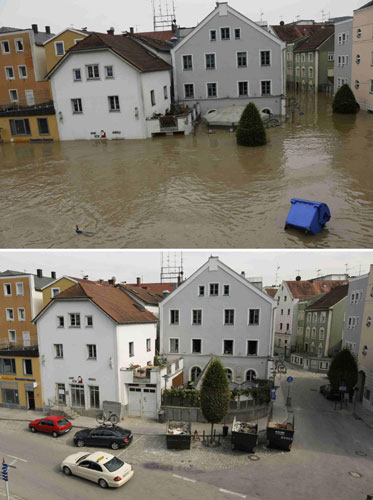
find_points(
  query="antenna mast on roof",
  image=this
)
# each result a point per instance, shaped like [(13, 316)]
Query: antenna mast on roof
[(171, 269), (164, 19), (277, 268)]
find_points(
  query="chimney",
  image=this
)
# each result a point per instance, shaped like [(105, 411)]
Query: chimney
[(48, 29), (165, 293), (39, 273), (243, 274), (34, 28), (131, 30), (138, 281), (110, 31), (112, 281), (180, 278), (53, 275)]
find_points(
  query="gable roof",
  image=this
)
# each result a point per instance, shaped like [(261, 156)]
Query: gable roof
[(157, 288), (292, 32), (271, 291), (330, 299), (143, 294), (40, 283), (5, 29), (369, 4), (123, 46), (228, 270), (307, 289), (161, 45), (78, 32), (316, 39), (234, 12), (110, 299), (158, 35)]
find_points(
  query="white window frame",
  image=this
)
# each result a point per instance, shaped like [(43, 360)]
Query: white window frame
[(205, 57), (148, 345), (74, 75), (247, 347), (322, 333), (7, 77), (234, 316), (191, 319), (22, 77), (59, 42), (2, 47), (77, 40), (20, 314), (220, 32), (80, 105), (7, 314), (204, 291), (307, 332), (313, 333), (222, 348), (176, 351), (216, 36), (191, 345), (58, 351), (229, 290), (209, 290), (75, 314), (5, 285), (24, 362), (178, 317), (238, 88), (251, 370), (12, 333), (152, 98), (93, 72), (107, 77), (239, 33), (53, 290), (260, 58), (16, 46), (92, 349), (207, 91), (241, 52), (261, 93), (165, 92), (314, 317), (131, 349), (86, 321), (115, 100), (182, 62), (187, 97), (59, 323), (20, 289), (248, 315), (322, 316), (190, 371)]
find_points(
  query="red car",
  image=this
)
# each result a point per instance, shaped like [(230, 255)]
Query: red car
[(54, 425)]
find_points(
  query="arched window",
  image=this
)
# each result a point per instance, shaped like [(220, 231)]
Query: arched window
[(267, 111), (195, 372), (250, 375), (229, 373)]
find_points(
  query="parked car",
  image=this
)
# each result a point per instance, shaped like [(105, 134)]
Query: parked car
[(111, 436), (100, 467), (54, 424), (329, 392)]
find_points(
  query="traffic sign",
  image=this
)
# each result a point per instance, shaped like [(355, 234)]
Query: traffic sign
[(4, 472), (273, 394), (289, 379)]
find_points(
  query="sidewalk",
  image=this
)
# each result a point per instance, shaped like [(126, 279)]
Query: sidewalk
[(363, 414)]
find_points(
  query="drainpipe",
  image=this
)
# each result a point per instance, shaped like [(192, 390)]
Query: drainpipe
[(316, 71)]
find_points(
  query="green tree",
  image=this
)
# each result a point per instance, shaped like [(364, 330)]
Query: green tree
[(344, 101), (215, 393), (343, 368), (250, 130)]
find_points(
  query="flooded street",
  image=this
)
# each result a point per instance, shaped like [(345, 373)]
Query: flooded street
[(198, 191)]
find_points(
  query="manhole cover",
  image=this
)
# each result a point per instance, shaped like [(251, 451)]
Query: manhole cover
[(355, 474), (254, 458), (361, 453)]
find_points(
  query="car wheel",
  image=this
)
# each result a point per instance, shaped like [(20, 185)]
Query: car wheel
[(66, 471), (102, 483), (80, 443), (114, 446), (55, 434), (32, 429)]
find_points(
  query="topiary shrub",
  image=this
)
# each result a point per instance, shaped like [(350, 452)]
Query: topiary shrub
[(215, 394), (344, 101), (343, 368), (250, 131)]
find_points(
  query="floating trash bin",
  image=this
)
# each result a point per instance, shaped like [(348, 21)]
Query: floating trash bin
[(308, 216)]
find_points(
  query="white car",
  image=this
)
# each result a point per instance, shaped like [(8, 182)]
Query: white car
[(100, 467)]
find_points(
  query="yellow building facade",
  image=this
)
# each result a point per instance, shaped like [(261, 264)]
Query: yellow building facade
[(25, 127), (56, 287), (56, 47), (362, 56)]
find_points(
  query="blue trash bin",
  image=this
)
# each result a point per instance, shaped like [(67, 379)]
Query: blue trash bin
[(308, 216)]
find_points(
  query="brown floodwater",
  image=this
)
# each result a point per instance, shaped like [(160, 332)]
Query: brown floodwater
[(199, 191)]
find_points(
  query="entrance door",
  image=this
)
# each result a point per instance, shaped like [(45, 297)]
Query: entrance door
[(134, 402), (30, 97), (149, 403), (30, 400)]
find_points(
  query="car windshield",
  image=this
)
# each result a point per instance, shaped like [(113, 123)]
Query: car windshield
[(113, 464), (62, 422), (82, 458)]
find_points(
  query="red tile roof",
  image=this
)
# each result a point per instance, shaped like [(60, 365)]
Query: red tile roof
[(162, 45), (146, 296), (155, 287), (330, 299), (306, 289), (127, 48), (315, 40), (292, 32), (116, 304), (271, 291), (158, 35)]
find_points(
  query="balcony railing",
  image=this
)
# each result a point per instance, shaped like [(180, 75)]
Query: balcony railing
[(27, 345), (41, 99)]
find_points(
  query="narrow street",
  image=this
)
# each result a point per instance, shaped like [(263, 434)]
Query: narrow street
[(329, 445)]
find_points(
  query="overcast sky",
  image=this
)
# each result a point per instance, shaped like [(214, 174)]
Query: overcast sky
[(121, 14), (127, 265)]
